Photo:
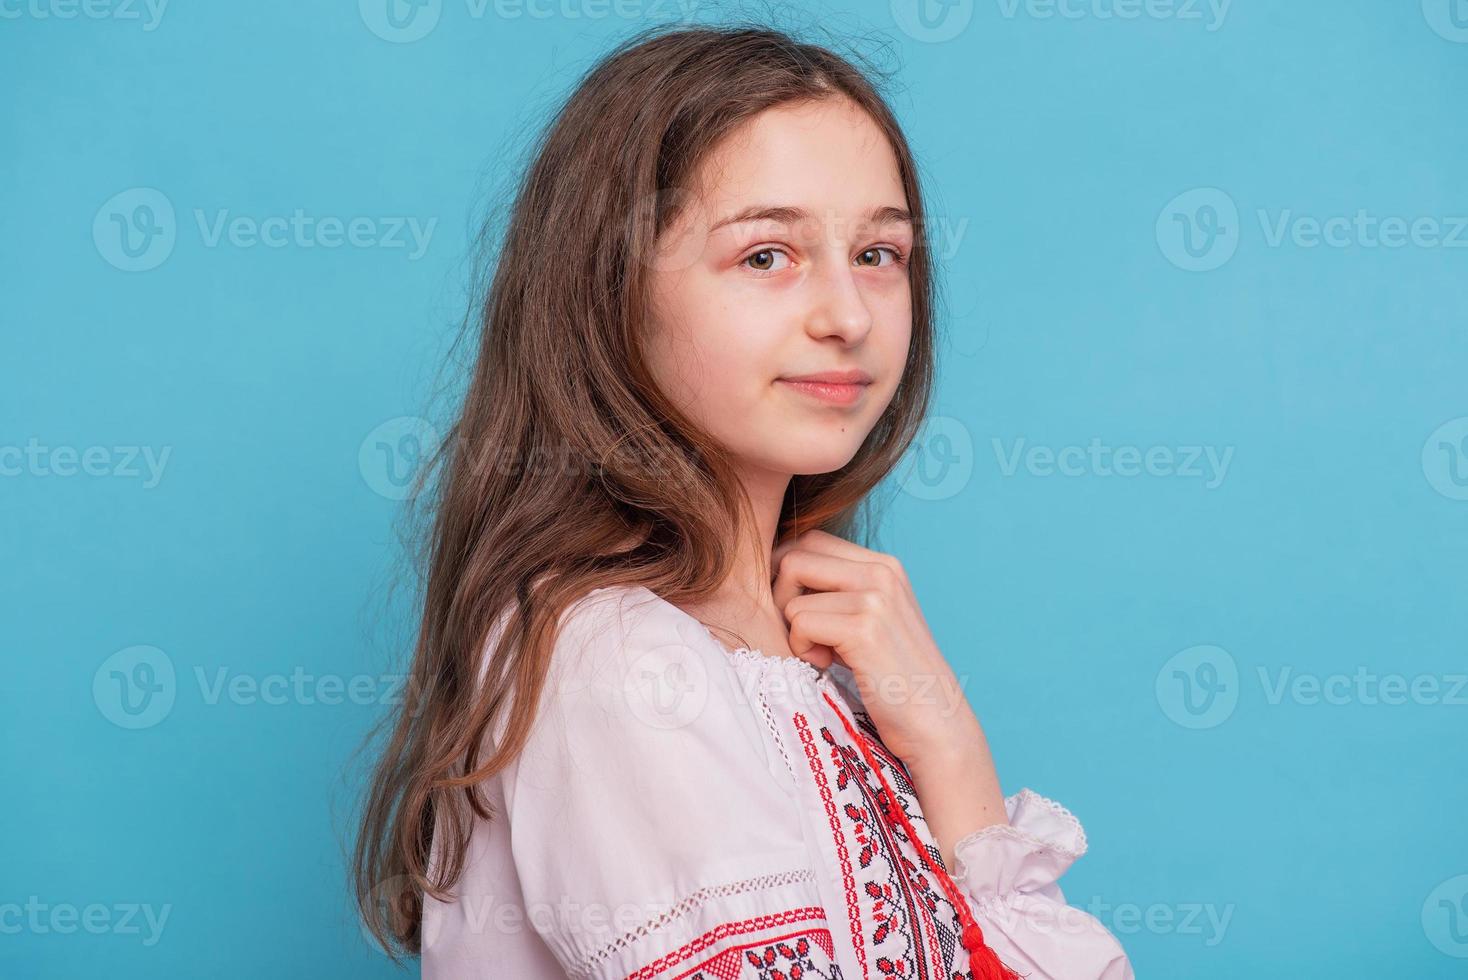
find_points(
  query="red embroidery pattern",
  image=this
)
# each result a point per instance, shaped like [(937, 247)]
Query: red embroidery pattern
[(806, 952), (848, 880), (909, 923)]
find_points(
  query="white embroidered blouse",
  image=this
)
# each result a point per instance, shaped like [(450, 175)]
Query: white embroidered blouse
[(684, 811)]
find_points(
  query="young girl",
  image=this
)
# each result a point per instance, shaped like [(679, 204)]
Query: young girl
[(667, 719)]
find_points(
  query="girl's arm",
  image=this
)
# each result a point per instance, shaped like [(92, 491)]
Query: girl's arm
[(851, 606), (649, 831), (1006, 871), (658, 832), (958, 790)]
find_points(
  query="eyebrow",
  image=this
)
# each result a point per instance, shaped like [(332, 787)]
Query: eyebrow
[(787, 215)]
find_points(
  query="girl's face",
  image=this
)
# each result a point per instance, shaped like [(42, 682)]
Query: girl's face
[(788, 260)]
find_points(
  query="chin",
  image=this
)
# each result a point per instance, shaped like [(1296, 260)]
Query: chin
[(812, 470), (824, 455)]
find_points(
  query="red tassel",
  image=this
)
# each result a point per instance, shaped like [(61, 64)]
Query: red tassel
[(983, 962)]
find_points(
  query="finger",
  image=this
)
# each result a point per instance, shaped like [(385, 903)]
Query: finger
[(821, 541), (832, 602), (832, 544), (801, 569), (818, 656), (779, 552), (816, 637), (822, 655)]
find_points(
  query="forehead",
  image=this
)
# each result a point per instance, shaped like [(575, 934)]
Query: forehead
[(827, 156)]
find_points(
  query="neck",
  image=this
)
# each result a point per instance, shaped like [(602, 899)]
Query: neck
[(747, 586)]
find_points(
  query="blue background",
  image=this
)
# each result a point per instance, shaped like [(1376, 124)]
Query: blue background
[(1096, 616)]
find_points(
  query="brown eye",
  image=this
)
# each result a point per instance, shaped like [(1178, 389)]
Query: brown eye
[(896, 256), (764, 260)]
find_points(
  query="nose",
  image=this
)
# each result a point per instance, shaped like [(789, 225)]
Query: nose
[(838, 308)]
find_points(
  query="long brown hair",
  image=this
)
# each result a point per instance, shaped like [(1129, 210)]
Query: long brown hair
[(637, 495)]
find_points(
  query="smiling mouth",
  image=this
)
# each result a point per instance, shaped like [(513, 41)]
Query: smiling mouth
[(831, 392)]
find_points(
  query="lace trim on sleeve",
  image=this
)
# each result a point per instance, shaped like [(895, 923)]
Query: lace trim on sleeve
[(1073, 849), (685, 905)]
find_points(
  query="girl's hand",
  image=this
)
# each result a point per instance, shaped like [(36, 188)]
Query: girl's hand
[(850, 605)]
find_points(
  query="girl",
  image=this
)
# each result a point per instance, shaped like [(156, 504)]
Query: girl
[(708, 337)]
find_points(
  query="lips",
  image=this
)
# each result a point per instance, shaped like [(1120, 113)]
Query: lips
[(852, 376), (832, 387)]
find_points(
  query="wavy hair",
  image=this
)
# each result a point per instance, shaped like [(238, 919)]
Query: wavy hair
[(637, 494)]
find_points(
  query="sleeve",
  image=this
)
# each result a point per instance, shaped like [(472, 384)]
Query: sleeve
[(1010, 872), (648, 824)]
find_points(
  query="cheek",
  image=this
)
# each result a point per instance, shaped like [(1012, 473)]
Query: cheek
[(673, 343), (734, 367), (893, 335), (890, 350), (709, 363)]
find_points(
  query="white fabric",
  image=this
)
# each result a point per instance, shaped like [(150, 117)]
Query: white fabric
[(686, 811)]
